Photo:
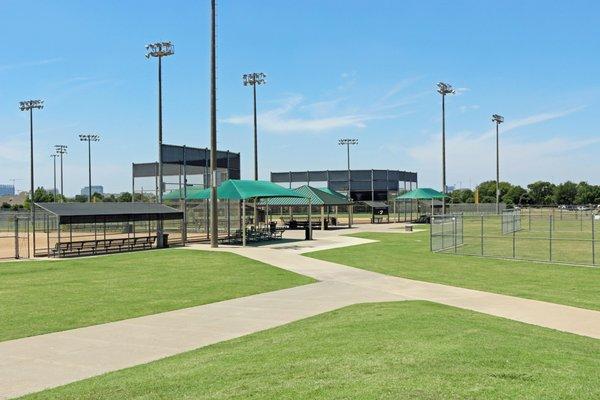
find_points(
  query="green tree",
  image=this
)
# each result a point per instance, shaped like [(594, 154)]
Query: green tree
[(565, 193), (462, 196), (487, 191), (40, 195), (124, 197), (515, 195), (587, 194), (541, 192)]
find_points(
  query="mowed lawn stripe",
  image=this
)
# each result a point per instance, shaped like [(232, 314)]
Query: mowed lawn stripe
[(408, 256), (403, 350), (48, 296)]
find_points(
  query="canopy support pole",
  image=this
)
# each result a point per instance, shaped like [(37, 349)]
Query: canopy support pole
[(243, 223), (323, 217), (309, 219)]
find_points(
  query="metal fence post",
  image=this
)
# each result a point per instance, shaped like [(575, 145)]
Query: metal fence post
[(482, 234), (443, 223), (454, 226), (530, 218), (431, 234), (593, 242), (16, 237), (514, 237), (550, 241)]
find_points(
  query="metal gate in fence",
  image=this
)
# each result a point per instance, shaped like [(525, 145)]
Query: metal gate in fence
[(446, 233), (14, 236)]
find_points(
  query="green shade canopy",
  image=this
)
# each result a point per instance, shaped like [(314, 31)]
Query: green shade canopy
[(175, 194), (248, 189), (318, 197), (333, 193), (422, 194), (238, 190)]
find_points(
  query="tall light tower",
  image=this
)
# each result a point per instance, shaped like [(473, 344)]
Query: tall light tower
[(89, 139), (61, 150), (347, 143), (498, 119), (30, 105), (214, 215), (253, 79), (160, 50), (54, 176), (444, 89)]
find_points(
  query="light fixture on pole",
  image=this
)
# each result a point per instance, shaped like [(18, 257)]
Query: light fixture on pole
[(347, 143), (89, 139), (214, 215), (30, 105), (159, 50), (54, 194), (444, 89), (61, 150), (498, 119), (253, 79)]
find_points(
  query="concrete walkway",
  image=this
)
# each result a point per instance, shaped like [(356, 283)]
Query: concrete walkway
[(32, 364)]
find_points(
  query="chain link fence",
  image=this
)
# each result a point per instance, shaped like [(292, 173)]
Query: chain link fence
[(550, 235)]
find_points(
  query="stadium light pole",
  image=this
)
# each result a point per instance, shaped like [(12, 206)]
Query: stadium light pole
[(61, 149), (214, 223), (30, 105), (444, 89), (253, 79), (89, 139), (347, 143), (498, 119), (54, 176), (159, 50)]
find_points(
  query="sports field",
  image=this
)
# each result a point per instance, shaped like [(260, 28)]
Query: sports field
[(47, 296), (404, 350), (564, 238), (408, 256)]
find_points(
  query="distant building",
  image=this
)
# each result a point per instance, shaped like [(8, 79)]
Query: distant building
[(7, 190), (95, 189), (365, 184)]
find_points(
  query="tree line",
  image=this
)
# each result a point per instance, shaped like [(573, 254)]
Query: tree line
[(42, 195), (538, 193)]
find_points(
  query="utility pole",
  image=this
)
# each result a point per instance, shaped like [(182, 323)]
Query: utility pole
[(214, 215), (30, 105), (444, 89)]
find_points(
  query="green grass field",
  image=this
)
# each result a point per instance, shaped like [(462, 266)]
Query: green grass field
[(571, 239), (408, 256), (404, 350), (47, 296)]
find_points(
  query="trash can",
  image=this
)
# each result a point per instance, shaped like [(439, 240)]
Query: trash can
[(165, 240), (307, 233)]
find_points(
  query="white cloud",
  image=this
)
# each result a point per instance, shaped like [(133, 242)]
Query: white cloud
[(283, 120), (464, 109), (27, 64)]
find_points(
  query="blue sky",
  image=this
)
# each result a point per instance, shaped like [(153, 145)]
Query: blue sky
[(335, 69)]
